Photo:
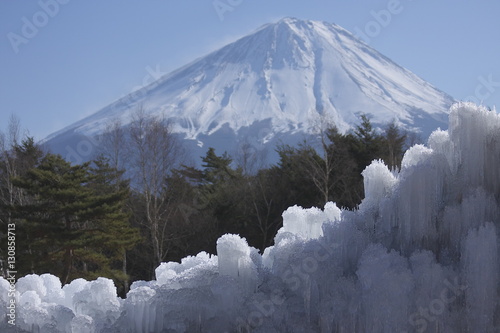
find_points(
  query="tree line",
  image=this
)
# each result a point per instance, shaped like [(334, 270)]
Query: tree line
[(138, 203)]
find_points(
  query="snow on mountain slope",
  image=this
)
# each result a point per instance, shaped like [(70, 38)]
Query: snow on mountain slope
[(294, 75)]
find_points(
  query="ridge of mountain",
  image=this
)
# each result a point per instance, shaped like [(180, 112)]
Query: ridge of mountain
[(286, 79)]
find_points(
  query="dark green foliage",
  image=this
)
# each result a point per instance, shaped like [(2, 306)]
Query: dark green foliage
[(347, 162), (118, 237), (84, 221), (217, 187), (269, 196), (27, 154), (313, 179), (294, 175), (394, 146), (75, 219), (15, 160), (366, 145), (187, 228)]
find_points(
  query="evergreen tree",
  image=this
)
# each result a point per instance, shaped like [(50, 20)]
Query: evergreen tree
[(118, 236), (394, 146), (74, 230), (266, 202), (367, 144), (220, 192), (347, 189), (15, 160), (295, 175), (216, 168), (153, 153)]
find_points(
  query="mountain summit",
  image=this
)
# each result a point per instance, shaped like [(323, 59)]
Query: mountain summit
[(284, 79)]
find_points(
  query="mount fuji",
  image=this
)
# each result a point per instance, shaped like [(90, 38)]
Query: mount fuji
[(280, 83)]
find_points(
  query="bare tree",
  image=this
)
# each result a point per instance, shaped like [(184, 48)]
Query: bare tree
[(113, 143), (395, 140), (9, 194), (250, 157), (113, 148), (412, 138), (319, 159), (321, 168), (16, 157), (263, 203), (153, 153), (148, 151)]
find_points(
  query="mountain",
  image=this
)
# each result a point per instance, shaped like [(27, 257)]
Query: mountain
[(280, 83)]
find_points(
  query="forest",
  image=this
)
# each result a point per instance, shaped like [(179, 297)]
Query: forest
[(138, 203)]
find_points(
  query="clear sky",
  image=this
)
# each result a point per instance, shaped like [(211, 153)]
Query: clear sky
[(61, 60)]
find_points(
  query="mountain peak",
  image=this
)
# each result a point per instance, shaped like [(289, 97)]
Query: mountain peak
[(291, 21), (293, 76)]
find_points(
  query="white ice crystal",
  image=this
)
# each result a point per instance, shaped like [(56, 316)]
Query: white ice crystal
[(420, 254)]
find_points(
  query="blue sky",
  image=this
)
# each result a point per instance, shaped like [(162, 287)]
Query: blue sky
[(62, 60)]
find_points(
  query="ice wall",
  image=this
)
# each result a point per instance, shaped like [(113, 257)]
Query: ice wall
[(419, 255)]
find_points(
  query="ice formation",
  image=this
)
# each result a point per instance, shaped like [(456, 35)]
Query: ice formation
[(420, 254)]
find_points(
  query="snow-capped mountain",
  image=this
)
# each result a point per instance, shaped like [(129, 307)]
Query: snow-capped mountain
[(286, 79)]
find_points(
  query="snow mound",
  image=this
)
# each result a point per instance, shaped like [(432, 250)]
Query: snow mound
[(420, 254)]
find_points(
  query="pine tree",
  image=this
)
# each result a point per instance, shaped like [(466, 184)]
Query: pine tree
[(394, 146), (367, 144), (219, 191), (74, 226), (217, 168), (15, 160), (118, 236), (347, 189), (296, 176)]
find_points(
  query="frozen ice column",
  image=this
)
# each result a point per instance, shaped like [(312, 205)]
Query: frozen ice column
[(234, 259)]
